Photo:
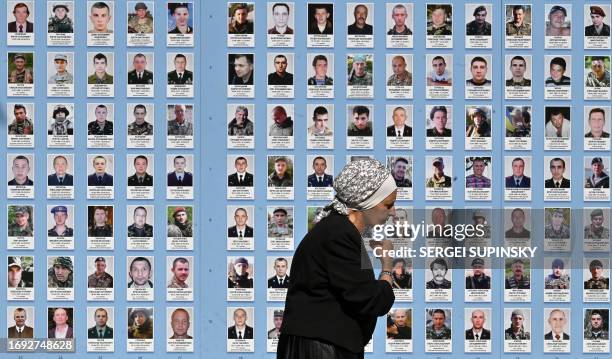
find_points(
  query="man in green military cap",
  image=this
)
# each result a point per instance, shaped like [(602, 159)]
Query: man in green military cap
[(62, 76), (21, 226), (438, 24), (438, 328), (60, 23), (59, 274), (597, 280), (141, 22), (596, 230), (517, 330)]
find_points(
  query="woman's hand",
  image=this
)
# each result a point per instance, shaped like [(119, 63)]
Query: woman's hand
[(385, 259)]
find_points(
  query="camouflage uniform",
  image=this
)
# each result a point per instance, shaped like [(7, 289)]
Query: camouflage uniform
[(602, 334), (174, 128), (104, 231), (69, 232), (175, 284), (63, 26), (472, 29), (395, 81), (180, 230), (275, 231), (552, 282), (26, 127), (480, 282), (445, 29), (66, 79), (52, 281), (365, 80), (601, 283), (135, 26), (15, 231), (135, 129), (513, 30), (593, 81), (512, 283), (444, 333), (103, 281), (592, 233), (521, 335), (562, 233), (146, 231)]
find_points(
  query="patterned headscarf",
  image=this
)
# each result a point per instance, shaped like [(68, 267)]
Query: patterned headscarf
[(360, 185)]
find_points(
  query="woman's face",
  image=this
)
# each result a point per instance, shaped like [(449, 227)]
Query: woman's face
[(379, 213), (140, 318)]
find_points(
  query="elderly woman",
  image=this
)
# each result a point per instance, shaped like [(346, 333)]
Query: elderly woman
[(331, 307), (142, 324)]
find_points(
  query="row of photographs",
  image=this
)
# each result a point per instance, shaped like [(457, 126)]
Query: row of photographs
[(478, 120), (477, 331), (60, 325), (280, 173), (280, 69), (476, 280)]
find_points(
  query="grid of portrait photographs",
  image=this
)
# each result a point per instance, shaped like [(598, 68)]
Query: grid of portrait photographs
[(494, 113), (114, 137)]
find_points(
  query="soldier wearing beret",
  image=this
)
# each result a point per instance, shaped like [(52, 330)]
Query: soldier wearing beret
[(479, 26), (597, 28), (438, 328), (438, 268), (62, 76), (597, 280), (181, 227), (60, 229), (239, 276), (100, 278), (21, 226), (60, 274), (60, 23), (516, 330), (274, 333), (558, 279), (478, 279), (438, 24), (142, 21), (596, 230), (518, 280)]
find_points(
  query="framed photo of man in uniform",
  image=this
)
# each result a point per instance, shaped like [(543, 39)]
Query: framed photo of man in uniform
[(400, 25), (100, 278), (240, 278), (180, 227), (100, 125), (557, 182), (60, 125), (477, 336), (240, 126), (439, 26), (402, 171), (180, 178), (517, 283), (20, 278), (140, 23), (517, 172), (101, 24), (596, 128), (20, 81), (320, 72), (180, 24), (280, 228), (60, 70), (180, 125), (240, 228), (240, 75), (596, 327), (517, 333), (20, 125), (557, 229), (100, 324), (60, 26), (60, 278), (399, 76), (596, 229), (280, 23), (320, 132), (140, 125), (180, 271), (518, 26), (320, 177), (280, 172), (279, 277), (20, 20), (596, 19), (518, 77), (140, 76), (597, 77), (438, 335), (60, 227), (100, 227), (596, 178), (100, 70), (181, 76), (240, 176), (478, 127), (360, 127), (20, 227), (360, 76), (140, 329), (140, 169), (280, 124), (241, 328), (596, 277), (100, 178), (557, 279), (479, 20), (140, 229), (280, 70)]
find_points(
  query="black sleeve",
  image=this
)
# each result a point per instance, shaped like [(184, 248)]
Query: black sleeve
[(357, 287)]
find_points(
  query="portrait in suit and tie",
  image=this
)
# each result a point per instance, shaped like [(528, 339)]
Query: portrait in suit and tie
[(100, 177), (319, 178), (240, 228), (180, 177), (180, 75), (478, 331), (60, 176), (139, 74), (399, 128), (21, 329), (100, 330), (281, 278), (241, 177), (240, 329), (559, 324), (518, 179), (21, 12), (140, 176), (557, 169), (60, 323)]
